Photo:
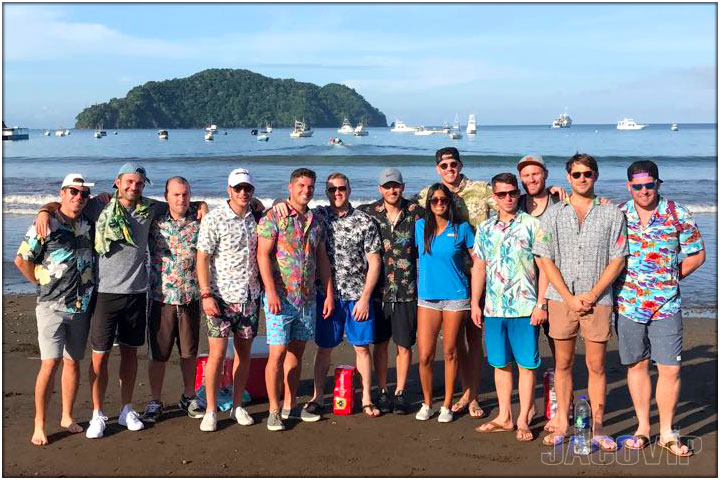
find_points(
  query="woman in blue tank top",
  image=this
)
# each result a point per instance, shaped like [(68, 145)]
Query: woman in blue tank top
[(443, 291)]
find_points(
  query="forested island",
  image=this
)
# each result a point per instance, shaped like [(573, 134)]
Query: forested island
[(231, 99)]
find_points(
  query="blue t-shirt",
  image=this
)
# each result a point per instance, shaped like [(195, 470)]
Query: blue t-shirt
[(440, 273)]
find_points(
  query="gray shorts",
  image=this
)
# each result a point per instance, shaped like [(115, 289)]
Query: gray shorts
[(446, 305), (61, 334), (659, 340)]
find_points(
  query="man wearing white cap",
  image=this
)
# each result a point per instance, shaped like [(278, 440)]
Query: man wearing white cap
[(229, 290), (61, 266)]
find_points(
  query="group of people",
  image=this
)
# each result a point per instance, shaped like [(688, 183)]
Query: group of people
[(474, 259)]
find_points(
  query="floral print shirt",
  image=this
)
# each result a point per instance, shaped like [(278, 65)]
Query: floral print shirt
[(510, 274), (648, 289), (294, 257), (473, 201), (173, 254), (64, 263), (398, 280), (232, 242), (349, 239)]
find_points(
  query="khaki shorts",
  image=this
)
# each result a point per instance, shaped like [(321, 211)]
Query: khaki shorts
[(565, 324)]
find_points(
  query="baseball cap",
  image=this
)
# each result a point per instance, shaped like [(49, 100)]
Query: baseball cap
[(531, 160), (75, 180), (643, 167), (238, 176), (390, 175), (452, 151), (133, 167)]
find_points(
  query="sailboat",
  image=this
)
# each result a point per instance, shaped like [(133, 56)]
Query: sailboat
[(455, 132), (471, 126)]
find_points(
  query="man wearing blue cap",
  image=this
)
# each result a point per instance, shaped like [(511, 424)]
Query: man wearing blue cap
[(395, 296), (122, 229)]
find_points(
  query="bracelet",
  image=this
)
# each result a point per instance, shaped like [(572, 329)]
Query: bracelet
[(206, 295)]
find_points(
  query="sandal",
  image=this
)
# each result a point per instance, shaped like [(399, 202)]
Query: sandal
[(494, 428), (675, 442), (638, 438), (599, 440), (459, 407), (475, 410), (520, 434), (372, 409), (552, 440)]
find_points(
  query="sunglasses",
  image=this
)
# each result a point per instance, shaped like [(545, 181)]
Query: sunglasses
[(75, 191), (243, 188), (439, 201), (513, 193), (445, 166), (333, 189), (586, 174), (639, 186), (391, 185)]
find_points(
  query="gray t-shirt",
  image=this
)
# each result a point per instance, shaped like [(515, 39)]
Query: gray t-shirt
[(124, 270)]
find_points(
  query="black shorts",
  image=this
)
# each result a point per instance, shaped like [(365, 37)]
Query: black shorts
[(121, 313), (396, 319), (173, 324)]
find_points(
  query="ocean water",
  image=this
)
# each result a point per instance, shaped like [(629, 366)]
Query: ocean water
[(33, 169)]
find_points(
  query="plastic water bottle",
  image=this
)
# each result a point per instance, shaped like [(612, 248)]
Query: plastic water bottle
[(581, 432)]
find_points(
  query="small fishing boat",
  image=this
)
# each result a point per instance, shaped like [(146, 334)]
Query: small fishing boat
[(162, 134)]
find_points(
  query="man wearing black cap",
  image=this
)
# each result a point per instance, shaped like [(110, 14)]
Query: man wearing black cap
[(649, 321), (395, 295)]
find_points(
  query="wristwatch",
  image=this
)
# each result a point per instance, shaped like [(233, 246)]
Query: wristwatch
[(542, 306)]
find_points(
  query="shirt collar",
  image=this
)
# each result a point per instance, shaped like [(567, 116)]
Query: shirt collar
[(230, 213), (404, 205)]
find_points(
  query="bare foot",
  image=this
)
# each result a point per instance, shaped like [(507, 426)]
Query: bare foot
[(39, 438), (474, 409), (71, 425), (523, 433), (462, 404)]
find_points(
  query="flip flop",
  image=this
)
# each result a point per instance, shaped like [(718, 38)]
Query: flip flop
[(494, 428), (371, 407), (521, 432), (548, 427), (459, 406), (599, 440), (552, 440), (674, 443), (645, 442)]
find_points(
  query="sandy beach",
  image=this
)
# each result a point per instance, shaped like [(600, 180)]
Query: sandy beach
[(340, 446)]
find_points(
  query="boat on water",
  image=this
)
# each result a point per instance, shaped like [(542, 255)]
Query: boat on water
[(97, 134), (563, 121), (254, 131), (162, 134), (455, 132), (268, 127), (67, 132), (301, 130), (212, 128), (101, 130), (674, 127), (346, 127), (263, 137), (361, 129), (209, 135), (15, 133), (472, 125), (60, 132), (46, 133), (400, 127), (629, 124), (445, 128), (422, 131)]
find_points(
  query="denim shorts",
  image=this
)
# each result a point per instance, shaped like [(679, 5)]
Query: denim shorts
[(329, 332), (659, 340), (512, 338), (446, 305), (292, 323)]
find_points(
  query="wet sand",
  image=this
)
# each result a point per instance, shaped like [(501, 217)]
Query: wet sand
[(339, 446)]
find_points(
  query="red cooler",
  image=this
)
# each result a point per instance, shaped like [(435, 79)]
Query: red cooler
[(226, 379), (344, 391), (259, 353)]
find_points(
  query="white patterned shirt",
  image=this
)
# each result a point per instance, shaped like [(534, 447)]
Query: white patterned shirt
[(232, 242)]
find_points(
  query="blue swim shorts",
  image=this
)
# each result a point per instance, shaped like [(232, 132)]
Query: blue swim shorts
[(329, 331), (292, 323), (511, 338)]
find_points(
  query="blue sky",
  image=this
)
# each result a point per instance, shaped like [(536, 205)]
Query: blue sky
[(422, 63)]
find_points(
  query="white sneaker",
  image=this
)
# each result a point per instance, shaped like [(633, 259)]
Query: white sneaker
[(96, 429), (424, 413), (209, 422), (241, 416), (446, 415), (130, 419)]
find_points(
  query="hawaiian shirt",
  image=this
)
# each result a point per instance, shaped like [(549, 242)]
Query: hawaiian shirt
[(648, 289), (349, 239), (294, 257), (64, 263), (173, 276), (510, 274), (473, 201), (232, 242), (398, 279), (582, 251)]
